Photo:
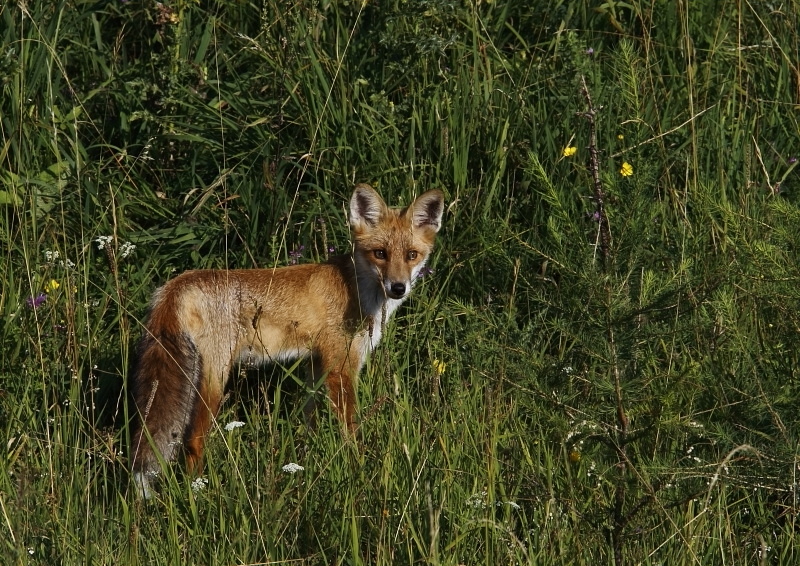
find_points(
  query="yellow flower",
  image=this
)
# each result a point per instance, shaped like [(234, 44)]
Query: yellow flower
[(620, 137), (574, 456), (51, 286), (627, 169), (439, 367), (569, 151)]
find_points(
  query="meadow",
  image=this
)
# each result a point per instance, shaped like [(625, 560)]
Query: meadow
[(603, 366)]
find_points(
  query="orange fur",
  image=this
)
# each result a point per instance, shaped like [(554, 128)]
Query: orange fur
[(203, 323)]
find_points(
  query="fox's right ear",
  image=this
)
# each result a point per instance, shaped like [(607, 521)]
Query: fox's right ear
[(366, 206)]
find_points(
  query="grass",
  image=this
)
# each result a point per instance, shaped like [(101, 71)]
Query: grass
[(545, 398)]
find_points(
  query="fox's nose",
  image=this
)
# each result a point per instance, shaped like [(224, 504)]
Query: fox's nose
[(398, 289)]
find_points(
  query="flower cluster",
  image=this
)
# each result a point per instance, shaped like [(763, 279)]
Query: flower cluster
[(233, 425), (37, 301), (52, 258), (292, 468), (296, 254), (125, 248), (103, 241)]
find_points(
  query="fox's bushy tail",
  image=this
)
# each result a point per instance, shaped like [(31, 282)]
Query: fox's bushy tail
[(163, 388)]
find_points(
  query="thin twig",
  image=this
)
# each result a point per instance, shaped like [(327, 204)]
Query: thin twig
[(598, 196)]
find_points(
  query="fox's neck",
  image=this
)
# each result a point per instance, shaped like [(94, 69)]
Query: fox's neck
[(372, 299), (375, 307)]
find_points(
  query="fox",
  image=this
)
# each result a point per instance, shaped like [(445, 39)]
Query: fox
[(203, 323)]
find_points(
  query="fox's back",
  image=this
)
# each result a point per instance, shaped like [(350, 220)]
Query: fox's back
[(298, 292)]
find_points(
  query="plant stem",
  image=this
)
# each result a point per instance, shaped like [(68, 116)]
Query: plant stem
[(598, 196)]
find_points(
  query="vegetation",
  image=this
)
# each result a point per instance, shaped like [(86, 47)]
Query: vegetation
[(603, 367)]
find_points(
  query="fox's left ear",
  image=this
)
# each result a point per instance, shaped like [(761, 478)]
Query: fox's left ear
[(426, 211)]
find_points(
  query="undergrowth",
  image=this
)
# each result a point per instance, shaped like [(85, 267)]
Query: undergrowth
[(601, 368)]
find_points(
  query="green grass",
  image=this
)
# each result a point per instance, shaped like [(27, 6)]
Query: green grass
[(634, 403)]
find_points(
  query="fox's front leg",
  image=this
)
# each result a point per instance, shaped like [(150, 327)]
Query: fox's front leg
[(336, 361), (343, 397)]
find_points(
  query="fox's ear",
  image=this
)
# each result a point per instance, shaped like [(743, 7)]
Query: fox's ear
[(426, 211), (366, 206)]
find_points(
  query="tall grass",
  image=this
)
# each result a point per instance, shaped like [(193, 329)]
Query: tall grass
[(546, 398)]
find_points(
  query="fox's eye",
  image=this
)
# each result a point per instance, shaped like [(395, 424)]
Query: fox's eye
[(380, 254), (412, 254)]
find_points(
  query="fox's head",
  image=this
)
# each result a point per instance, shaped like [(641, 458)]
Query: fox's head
[(393, 244)]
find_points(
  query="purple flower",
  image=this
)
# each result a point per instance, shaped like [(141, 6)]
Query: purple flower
[(424, 271), (37, 301), (590, 51), (295, 254), (792, 160), (596, 216), (331, 249)]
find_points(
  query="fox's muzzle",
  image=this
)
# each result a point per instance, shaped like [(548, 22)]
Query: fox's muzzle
[(397, 290)]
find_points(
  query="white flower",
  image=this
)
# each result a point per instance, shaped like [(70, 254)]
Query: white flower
[(292, 468), (126, 249), (477, 500), (199, 484), (233, 424), (103, 241)]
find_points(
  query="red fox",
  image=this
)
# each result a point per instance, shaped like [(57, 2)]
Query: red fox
[(202, 323)]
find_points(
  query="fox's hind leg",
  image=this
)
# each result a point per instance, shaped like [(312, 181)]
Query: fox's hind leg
[(206, 407)]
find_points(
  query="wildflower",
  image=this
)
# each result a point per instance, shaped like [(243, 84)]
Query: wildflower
[(233, 424), (37, 301), (296, 254), (439, 367), (126, 249), (103, 241), (477, 500), (424, 271), (590, 51), (198, 484), (575, 456), (51, 286), (620, 137), (792, 160), (569, 151), (627, 169), (51, 256), (292, 468)]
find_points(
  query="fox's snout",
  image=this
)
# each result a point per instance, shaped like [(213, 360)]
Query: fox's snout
[(397, 289)]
